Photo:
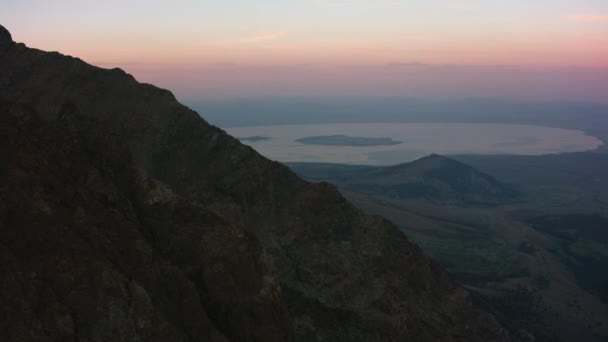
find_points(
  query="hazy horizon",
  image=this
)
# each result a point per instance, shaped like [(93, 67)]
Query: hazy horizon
[(203, 50), (412, 141), (335, 170)]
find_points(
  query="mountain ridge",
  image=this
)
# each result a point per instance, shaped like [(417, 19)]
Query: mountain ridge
[(433, 177), (330, 260)]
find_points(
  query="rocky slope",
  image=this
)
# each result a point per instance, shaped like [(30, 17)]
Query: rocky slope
[(125, 216), (93, 250)]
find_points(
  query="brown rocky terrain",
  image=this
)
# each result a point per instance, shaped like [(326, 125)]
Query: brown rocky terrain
[(125, 216)]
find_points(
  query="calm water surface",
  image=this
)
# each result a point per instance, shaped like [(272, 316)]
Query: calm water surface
[(419, 139)]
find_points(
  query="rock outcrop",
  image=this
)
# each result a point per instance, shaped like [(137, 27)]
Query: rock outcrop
[(125, 216)]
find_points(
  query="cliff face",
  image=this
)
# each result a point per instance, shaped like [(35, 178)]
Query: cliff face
[(131, 215), (91, 249)]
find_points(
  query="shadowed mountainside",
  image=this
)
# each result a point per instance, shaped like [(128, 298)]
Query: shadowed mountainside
[(93, 249), (536, 258), (434, 178), (125, 215)]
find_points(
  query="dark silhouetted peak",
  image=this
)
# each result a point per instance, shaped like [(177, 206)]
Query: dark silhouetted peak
[(6, 40), (430, 161), (433, 177), (433, 165)]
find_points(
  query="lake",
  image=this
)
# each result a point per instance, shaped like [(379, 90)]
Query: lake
[(418, 139)]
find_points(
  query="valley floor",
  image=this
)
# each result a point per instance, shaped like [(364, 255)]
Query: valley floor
[(538, 262)]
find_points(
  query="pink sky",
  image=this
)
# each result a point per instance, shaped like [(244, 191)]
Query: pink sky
[(548, 49)]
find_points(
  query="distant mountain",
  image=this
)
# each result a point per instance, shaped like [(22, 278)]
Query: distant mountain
[(125, 216), (518, 252), (434, 178)]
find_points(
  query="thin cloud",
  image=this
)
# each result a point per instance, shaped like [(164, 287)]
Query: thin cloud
[(334, 4), (458, 6), (589, 18), (266, 37), (115, 63)]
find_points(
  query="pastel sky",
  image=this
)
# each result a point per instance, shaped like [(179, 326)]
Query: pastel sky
[(541, 49)]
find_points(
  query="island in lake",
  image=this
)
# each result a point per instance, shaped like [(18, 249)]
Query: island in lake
[(254, 138), (345, 140)]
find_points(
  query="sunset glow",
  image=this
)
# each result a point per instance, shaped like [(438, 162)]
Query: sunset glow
[(182, 44)]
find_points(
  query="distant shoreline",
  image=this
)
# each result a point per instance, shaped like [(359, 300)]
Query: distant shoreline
[(388, 143), (345, 140), (254, 138)]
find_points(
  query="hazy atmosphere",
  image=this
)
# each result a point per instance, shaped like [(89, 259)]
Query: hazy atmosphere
[(314, 170), (410, 141), (540, 50)]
